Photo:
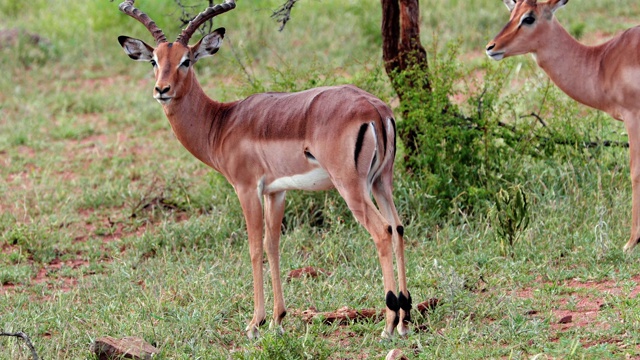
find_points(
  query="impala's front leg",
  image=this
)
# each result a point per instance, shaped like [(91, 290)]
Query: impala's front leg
[(633, 131), (252, 209), (274, 212)]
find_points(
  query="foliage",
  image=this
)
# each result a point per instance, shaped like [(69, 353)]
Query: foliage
[(510, 217), (464, 141), (456, 157), (83, 147)]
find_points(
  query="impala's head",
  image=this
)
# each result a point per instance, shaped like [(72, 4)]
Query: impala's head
[(172, 61), (526, 28)]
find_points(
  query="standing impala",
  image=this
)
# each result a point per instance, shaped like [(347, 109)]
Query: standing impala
[(605, 77), (270, 143)]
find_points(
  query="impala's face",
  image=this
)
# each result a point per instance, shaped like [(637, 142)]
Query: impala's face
[(172, 62), (172, 68), (525, 30)]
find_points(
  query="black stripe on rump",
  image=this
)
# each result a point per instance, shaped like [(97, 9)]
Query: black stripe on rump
[(393, 122), (359, 141), (384, 136)]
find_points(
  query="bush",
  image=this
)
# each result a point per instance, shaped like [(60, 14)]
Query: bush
[(461, 160)]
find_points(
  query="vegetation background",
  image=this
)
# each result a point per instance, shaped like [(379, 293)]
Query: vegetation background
[(109, 227)]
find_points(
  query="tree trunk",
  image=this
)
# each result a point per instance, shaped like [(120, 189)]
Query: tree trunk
[(401, 46), (402, 50)]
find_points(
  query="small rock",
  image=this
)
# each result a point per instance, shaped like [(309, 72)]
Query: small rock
[(566, 319), (396, 354), (130, 347)]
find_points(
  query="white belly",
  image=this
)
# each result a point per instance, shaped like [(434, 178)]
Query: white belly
[(316, 179)]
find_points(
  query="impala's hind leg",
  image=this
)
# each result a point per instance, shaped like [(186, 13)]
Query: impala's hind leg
[(362, 207), (382, 192)]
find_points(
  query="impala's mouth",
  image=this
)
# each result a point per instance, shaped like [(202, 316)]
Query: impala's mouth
[(495, 55), (163, 99)]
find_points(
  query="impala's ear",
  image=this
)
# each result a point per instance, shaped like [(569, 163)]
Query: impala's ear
[(136, 49), (557, 4), (510, 4), (208, 45)]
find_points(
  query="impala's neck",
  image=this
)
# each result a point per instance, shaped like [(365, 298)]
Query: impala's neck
[(192, 118), (573, 67)]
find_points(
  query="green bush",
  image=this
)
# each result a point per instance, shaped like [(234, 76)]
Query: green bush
[(462, 153)]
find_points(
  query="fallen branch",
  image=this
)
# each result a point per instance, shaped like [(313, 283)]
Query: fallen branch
[(342, 316), (26, 339)]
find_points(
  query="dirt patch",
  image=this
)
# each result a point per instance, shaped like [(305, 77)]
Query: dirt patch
[(581, 304)]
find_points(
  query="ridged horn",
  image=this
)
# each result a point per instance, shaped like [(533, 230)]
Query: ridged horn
[(128, 8)]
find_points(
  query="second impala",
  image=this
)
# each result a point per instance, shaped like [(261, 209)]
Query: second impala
[(270, 143)]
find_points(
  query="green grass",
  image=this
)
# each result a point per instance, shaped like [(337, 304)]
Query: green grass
[(109, 227)]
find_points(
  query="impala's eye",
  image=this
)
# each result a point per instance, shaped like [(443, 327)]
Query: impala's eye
[(186, 63), (528, 20), (153, 63)]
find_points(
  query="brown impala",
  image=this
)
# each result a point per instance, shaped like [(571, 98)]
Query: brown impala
[(329, 137), (605, 77)]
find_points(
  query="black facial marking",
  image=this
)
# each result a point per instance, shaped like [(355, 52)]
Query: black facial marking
[(170, 45), (400, 230), (392, 301), (359, 141)]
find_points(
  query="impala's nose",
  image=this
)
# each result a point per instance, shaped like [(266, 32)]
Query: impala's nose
[(163, 90)]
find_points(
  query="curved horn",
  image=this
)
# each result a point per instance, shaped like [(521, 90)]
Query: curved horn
[(128, 8), (207, 14)]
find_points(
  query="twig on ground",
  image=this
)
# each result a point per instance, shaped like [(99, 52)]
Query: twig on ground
[(26, 339)]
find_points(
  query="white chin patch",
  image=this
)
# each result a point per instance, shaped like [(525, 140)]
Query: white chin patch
[(495, 56)]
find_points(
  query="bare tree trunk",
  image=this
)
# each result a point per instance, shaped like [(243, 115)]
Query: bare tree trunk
[(401, 46), (401, 51)]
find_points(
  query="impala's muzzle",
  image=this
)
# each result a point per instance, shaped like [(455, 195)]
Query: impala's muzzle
[(162, 94), (495, 55)]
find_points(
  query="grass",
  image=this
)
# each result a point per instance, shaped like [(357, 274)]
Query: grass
[(109, 227)]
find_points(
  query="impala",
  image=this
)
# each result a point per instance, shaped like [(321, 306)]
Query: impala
[(328, 137), (605, 77)]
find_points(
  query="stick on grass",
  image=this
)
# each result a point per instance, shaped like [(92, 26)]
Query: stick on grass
[(26, 339)]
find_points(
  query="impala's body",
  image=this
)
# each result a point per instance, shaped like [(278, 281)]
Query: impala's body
[(270, 143), (605, 77)]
